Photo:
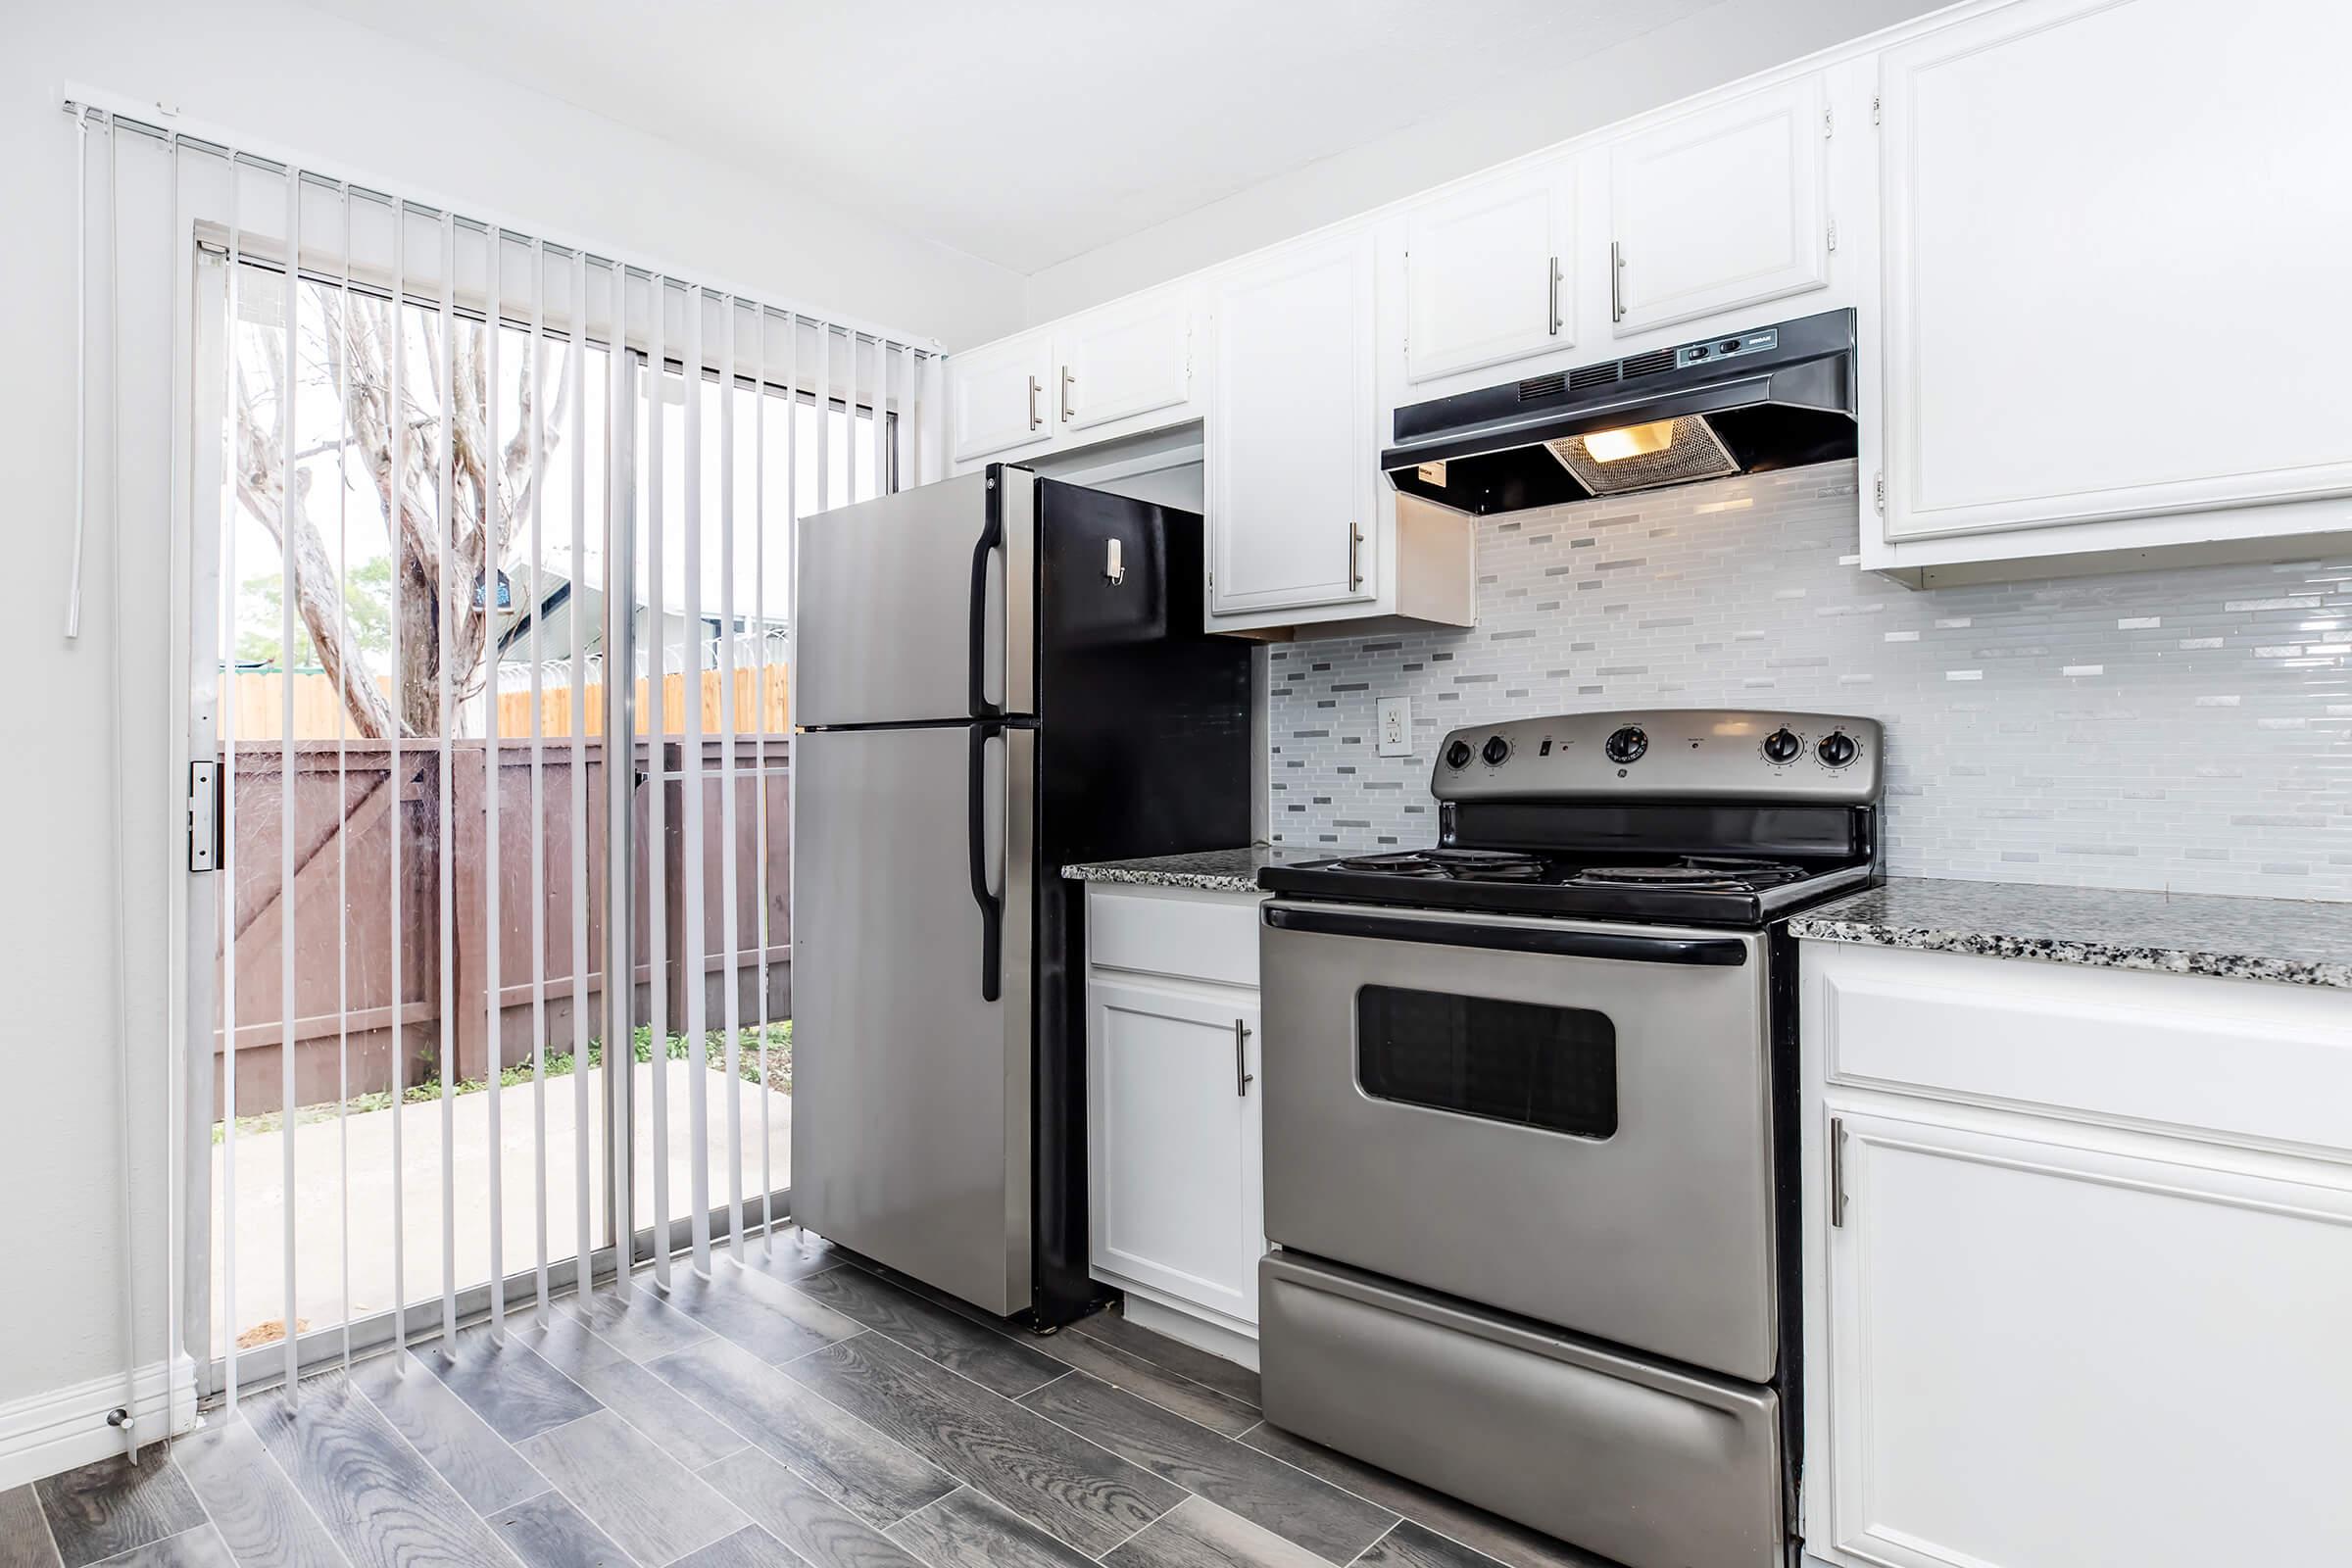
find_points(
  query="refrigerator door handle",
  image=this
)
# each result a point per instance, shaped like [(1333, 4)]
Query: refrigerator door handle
[(992, 904), (992, 539)]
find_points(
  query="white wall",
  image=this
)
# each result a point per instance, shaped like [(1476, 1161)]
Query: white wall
[(344, 97), (1720, 44)]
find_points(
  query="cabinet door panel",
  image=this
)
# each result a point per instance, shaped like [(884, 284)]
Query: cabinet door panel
[(998, 396), (2046, 1356), (1490, 273), (1291, 453), (1720, 210), (1172, 1161), (1130, 359), (2111, 230)]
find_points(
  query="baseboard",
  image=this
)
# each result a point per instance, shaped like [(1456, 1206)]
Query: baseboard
[(1200, 1333), (62, 1428)]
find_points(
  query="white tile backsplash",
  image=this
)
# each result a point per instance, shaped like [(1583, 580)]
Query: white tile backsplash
[(2188, 730)]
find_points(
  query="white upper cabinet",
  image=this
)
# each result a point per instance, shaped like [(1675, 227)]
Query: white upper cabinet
[(1490, 272), (1126, 360), (999, 397), (1292, 454), (1720, 209), (2116, 240)]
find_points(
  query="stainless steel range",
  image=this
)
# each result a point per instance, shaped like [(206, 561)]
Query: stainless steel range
[(1530, 1150)]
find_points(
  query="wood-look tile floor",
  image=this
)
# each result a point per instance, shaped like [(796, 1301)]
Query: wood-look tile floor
[(803, 1409)]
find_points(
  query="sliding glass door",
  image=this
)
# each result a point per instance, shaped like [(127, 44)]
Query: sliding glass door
[(455, 516)]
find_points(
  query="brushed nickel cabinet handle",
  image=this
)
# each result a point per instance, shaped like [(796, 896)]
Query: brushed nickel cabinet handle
[(1616, 281), (1242, 1076), (1837, 1172), (1555, 296), (1034, 389), (1356, 574), (1066, 380)]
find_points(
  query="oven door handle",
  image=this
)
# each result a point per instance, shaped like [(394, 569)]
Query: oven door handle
[(1723, 953)]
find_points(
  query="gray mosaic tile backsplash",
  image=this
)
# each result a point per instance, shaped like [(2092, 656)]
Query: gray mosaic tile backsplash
[(2188, 730)]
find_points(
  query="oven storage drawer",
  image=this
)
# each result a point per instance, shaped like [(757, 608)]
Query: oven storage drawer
[(1651, 1465)]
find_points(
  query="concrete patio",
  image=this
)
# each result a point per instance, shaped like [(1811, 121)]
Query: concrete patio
[(322, 1200)]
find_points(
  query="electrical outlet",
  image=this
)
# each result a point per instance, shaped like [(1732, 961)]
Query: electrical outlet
[(1396, 726)]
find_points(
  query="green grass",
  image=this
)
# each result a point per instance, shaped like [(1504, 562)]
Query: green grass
[(756, 1062)]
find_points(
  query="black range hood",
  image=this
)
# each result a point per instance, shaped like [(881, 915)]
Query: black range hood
[(1770, 397)]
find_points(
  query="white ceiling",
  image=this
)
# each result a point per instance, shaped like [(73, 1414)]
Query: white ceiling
[(1026, 131)]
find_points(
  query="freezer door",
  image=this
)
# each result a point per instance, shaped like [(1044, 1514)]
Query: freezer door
[(912, 891), (920, 605)]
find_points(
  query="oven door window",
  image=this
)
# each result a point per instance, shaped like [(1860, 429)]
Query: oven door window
[(1509, 1062)]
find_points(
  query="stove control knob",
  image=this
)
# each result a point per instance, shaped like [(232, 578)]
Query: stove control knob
[(1495, 751), (1625, 745), (1459, 754), (1783, 746), (1836, 749)]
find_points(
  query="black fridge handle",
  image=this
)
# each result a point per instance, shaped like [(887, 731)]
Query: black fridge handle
[(975, 828), (991, 538)]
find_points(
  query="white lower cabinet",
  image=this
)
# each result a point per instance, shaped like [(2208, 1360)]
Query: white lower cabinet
[(2043, 1334), (2046, 1355), (1176, 1215), (1174, 1194)]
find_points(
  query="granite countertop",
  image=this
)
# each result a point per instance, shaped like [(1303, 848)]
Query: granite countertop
[(1211, 870), (2290, 941)]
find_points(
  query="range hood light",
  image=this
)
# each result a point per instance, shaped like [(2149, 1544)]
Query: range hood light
[(1647, 455), (1634, 441)]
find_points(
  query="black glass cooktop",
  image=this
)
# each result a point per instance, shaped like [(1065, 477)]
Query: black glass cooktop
[(1608, 884)]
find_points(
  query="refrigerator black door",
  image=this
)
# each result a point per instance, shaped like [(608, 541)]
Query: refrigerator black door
[(1145, 717), (1143, 749)]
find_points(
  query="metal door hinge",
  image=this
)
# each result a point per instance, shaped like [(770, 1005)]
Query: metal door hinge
[(204, 816), (1837, 1172), (1826, 121), (1874, 109), (1833, 233), (1878, 493)]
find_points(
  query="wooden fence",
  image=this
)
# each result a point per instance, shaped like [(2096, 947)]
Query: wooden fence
[(762, 705), (360, 1024)]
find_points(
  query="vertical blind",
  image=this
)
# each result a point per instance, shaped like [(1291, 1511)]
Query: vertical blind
[(482, 542)]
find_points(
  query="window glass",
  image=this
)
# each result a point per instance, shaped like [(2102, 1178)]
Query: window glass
[(1513, 1061)]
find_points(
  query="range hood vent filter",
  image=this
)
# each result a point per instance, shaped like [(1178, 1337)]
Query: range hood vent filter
[(1693, 452)]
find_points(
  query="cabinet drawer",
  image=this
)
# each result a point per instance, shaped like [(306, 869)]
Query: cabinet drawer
[(2232, 1058), (1193, 936)]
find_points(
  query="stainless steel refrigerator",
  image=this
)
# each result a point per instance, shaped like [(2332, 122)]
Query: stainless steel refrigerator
[(995, 675)]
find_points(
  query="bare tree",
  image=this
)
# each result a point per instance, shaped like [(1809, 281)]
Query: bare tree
[(490, 490)]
